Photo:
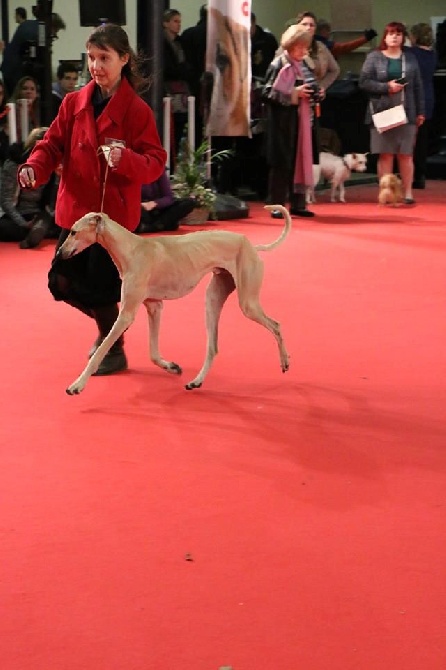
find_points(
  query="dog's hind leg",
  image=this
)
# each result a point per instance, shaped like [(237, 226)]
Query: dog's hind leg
[(154, 309), (334, 188), (248, 286), (220, 287)]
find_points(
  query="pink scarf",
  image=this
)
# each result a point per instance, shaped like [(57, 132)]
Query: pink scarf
[(303, 168)]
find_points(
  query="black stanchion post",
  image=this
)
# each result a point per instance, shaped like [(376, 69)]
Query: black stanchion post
[(5, 21), (149, 38), (43, 13)]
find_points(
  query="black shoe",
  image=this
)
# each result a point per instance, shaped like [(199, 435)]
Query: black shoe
[(276, 214), (114, 361), (409, 201), (301, 212)]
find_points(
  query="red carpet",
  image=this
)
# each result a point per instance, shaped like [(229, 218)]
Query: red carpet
[(312, 504)]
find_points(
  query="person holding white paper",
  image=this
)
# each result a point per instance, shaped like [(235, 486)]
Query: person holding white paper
[(391, 76)]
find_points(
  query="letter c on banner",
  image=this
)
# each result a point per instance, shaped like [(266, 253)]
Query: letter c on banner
[(245, 8)]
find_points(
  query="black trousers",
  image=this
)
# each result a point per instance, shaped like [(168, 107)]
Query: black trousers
[(167, 218), (280, 180), (11, 232), (86, 281), (421, 150)]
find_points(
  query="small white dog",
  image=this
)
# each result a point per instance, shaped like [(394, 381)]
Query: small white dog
[(336, 170)]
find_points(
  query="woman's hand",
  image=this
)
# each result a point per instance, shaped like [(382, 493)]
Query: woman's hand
[(420, 120), (302, 91), (148, 206), (115, 156), (26, 177), (394, 87)]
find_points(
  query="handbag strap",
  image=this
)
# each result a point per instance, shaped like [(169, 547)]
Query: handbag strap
[(403, 72)]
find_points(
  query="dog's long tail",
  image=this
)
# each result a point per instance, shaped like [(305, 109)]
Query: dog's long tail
[(285, 231)]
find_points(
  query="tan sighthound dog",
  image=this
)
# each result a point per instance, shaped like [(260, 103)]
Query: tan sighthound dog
[(166, 267)]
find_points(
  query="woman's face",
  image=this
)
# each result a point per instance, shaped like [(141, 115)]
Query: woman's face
[(298, 51), (28, 90), (174, 24), (105, 66), (394, 39), (309, 24)]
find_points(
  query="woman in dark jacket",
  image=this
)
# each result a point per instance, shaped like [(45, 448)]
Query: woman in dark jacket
[(27, 217), (160, 210), (291, 145), (422, 40), (380, 78), (177, 73)]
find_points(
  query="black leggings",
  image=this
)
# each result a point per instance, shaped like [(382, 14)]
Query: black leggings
[(86, 281)]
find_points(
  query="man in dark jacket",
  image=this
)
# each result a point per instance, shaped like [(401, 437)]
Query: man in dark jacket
[(194, 45), (263, 47), (17, 59)]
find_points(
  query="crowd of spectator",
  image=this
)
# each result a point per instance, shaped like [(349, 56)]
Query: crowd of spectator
[(184, 54)]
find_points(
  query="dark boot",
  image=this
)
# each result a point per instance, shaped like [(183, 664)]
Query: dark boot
[(36, 234), (115, 360), (299, 205)]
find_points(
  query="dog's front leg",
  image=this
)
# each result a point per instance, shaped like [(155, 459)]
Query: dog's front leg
[(154, 309), (124, 320)]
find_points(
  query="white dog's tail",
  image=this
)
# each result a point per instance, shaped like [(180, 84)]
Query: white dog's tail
[(285, 231)]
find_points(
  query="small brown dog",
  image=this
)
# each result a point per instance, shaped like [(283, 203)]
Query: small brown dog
[(390, 190)]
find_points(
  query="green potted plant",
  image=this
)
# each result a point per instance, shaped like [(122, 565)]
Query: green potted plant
[(190, 179)]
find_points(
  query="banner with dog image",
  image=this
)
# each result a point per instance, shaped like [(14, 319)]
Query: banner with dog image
[(228, 68)]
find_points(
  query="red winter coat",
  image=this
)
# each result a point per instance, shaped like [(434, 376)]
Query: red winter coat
[(73, 140)]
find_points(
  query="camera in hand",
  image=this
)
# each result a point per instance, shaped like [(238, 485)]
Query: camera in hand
[(315, 92)]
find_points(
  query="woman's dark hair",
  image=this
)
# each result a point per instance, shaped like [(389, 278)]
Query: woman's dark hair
[(392, 27), (303, 15), (110, 36), (312, 49)]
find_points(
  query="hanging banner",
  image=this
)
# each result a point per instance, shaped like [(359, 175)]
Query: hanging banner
[(228, 68)]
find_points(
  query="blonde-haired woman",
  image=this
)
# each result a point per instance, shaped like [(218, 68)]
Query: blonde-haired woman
[(291, 144)]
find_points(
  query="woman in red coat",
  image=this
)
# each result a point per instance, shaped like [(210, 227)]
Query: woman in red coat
[(108, 110)]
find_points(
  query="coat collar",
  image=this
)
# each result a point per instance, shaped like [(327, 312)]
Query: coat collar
[(116, 108)]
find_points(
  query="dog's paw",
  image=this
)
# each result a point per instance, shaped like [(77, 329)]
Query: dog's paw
[(174, 369), (73, 390), (192, 385)]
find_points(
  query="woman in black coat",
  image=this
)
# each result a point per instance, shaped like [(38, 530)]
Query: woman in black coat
[(290, 96)]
